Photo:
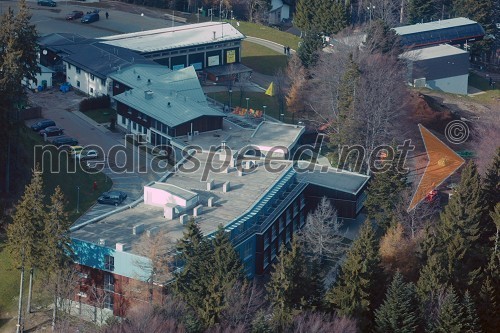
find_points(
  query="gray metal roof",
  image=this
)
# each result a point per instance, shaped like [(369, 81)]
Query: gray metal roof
[(180, 88), (432, 52), (421, 27), (175, 37)]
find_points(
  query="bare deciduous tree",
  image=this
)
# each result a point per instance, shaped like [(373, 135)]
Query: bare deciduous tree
[(158, 250), (321, 235), (315, 322), (244, 300)]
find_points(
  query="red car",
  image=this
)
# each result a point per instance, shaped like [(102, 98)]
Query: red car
[(76, 14)]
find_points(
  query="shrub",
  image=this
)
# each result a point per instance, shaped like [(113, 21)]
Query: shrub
[(93, 103)]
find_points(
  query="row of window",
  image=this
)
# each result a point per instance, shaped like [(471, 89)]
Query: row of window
[(187, 51), (443, 34), (92, 76)]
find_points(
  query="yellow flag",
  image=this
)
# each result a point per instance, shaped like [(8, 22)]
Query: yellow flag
[(270, 90)]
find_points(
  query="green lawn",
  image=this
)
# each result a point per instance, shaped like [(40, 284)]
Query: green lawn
[(265, 32), (9, 285), (262, 59), (101, 115), (68, 177)]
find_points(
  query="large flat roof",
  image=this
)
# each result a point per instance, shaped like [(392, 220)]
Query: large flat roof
[(175, 37), (429, 26), (267, 134), (175, 190), (432, 52), (245, 191)]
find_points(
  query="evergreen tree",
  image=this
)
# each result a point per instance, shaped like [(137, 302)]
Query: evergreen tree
[(460, 229), (384, 192), (260, 324), (309, 48), (382, 39), (432, 279), (491, 183), (471, 320), (331, 17), (421, 11), (303, 17), (24, 242), (353, 293), (399, 312), (480, 11), (450, 317), (488, 307)]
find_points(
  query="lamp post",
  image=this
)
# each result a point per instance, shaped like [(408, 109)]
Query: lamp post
[(220, 11), (264, 115), (230, 99), (370, 9), (247, 98), (78, 199), (282, 117)]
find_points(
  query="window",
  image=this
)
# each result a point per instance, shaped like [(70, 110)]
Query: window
[(124, 120), (103, 82), (78, 83), (144, 130), (109, 282), (108, 301), (69, 66), (109, 262), (134, 125), (91, 90), (92, 77), (78, 71), (140, 128)]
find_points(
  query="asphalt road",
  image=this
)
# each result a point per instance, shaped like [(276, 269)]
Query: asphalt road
[(53, 19)]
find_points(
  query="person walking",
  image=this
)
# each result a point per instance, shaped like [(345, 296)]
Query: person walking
[(284, 49), (107, 15), (288, 50)]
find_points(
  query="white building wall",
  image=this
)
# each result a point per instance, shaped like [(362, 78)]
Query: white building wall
[(159, 197), (39, 79), (84, 81), (453, 85)]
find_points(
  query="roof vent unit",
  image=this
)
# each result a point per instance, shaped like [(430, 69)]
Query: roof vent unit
[(138, 77), (148, 94), (168, 104), (149, 82), (102, 241)]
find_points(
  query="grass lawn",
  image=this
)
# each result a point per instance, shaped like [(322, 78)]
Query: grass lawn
[(101, 115), (262, 59), (68, 177), (9, 285), (256, 101), (265, 32)]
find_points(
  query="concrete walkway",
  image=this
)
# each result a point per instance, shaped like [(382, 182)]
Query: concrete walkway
[(269, 44)]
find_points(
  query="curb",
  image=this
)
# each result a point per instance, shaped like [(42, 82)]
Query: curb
[(92, 122)]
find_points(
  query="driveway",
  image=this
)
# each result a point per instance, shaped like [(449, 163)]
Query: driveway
[(128, 168)]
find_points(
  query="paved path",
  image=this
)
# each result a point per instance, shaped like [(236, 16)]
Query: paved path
[(269, 44)]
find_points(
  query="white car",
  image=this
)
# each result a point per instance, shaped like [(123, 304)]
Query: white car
[(87, 155)]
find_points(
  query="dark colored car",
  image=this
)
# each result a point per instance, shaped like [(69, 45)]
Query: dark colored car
[(52, 131), (76, 14), (42, 124), (112, 198), (65, 141), (89, 18), (48, 3)]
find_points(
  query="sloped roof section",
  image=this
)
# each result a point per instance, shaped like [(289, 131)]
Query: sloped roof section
[(173, 97), (430, 26), (175, 37)]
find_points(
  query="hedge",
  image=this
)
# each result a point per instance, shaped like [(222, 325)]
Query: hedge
[(93, 103)]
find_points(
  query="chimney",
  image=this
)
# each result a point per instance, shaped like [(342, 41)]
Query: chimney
[(102, 242), (148, 94), (168, 104), (149, 82), (138, 77), (214, 34)]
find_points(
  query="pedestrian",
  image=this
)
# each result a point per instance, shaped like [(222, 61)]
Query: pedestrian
[(284, 49), (491, 81), (288, 50), (107, 15), (94, 186)]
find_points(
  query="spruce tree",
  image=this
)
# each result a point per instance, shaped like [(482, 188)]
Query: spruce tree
[(309, 47), (488, 307), (491, 183), (450, 317), (421, 11), (384, 193), (432, 279), (305, 11), (460, 230), (399, 312), (471, 319), (353, 293)]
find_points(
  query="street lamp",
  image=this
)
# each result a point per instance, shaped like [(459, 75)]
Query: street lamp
[(230, 99), (282, 117), (78, 199), (247, 98), (370, 9), (264, 116)]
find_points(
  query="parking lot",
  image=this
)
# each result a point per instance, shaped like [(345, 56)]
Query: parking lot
[(123, 167), (123, 18)]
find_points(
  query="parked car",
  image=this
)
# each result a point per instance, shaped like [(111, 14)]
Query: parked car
[(86, 155), (42, 124), (48, 3), (52, 131), (89, 18), (112, 198), (65, 141), (76, 14), (75, 150)]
